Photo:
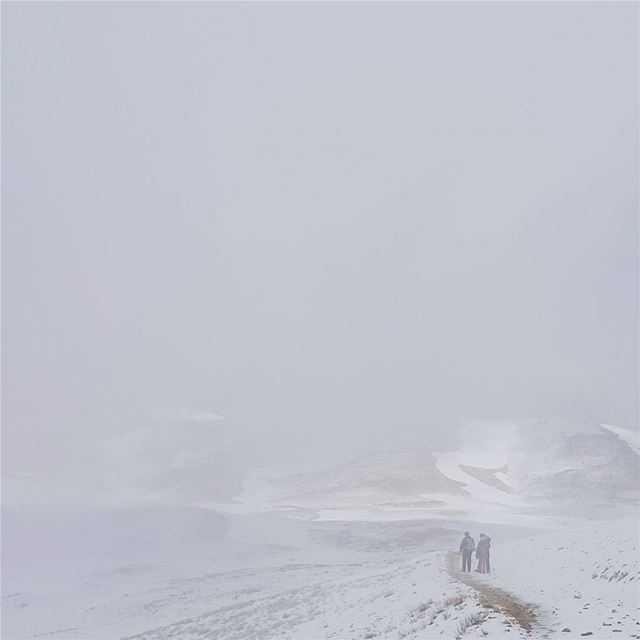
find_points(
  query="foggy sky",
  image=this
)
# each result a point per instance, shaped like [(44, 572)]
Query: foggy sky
[(322, 221)]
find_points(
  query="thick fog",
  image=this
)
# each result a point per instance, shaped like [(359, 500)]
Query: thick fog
[(332, 224)]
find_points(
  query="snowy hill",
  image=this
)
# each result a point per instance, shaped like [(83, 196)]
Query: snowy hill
[(396, 472), (513, 471), (553, 458), (179, 456)]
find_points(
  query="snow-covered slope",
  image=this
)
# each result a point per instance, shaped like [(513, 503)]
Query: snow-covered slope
[(171, 462), (72, 570), (395, 472), (585, 578), (551, 458), (518, 472), (632, 438), (394, 483), (174, 455)]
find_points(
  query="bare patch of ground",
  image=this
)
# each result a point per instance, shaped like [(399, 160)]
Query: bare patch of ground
[(493, 597)]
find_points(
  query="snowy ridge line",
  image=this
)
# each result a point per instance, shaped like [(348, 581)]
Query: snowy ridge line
[(632, 439)]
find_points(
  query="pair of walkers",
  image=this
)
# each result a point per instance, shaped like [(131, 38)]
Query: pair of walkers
[(468, 546)]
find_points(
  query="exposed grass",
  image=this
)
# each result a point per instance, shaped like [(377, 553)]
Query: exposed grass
[(522, 613), (426, 613), (453, 601), (423, 606), (473, 620), (441, 607)]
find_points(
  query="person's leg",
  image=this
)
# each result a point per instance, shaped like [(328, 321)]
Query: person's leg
[(464, 560), (488, 564)]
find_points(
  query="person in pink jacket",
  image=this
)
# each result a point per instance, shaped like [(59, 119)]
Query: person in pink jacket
[(482, 554)]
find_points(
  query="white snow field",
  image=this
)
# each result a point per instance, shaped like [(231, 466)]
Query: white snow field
[(363, 549)]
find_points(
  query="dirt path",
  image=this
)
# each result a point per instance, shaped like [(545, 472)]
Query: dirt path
[(494, 597)]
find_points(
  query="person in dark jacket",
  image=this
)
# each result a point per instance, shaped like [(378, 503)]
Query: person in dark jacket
[(467, 547), (482, 554)]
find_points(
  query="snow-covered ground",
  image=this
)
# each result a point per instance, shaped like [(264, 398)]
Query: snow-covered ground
[(545, 585), (358, 550), (323, 585), (585, 578)]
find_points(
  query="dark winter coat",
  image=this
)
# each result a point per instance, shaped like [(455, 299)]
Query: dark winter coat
[(468, 544)]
